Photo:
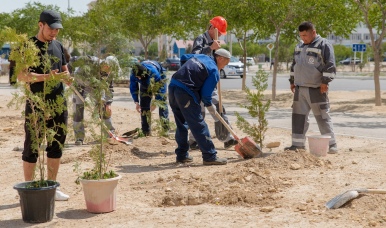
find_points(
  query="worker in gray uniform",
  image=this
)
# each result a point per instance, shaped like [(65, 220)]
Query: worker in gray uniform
[(312, 69), (93, 67), (205, 44)]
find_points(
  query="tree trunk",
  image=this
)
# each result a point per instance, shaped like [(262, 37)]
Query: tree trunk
[(244, 60), (275, 64), (377, 69)]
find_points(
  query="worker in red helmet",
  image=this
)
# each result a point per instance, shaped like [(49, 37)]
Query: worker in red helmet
[(205, 44), (220, 23)]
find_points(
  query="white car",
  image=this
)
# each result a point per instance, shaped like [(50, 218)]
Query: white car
[(250, 61), (234, 68)]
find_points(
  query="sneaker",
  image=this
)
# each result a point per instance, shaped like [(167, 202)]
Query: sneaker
[(294, 148), (230, 143), (79, 142), (194, 146), (185, 160), (333, 149), (60, 196), (217, 161)]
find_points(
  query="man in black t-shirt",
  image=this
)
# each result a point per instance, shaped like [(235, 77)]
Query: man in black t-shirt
[(49, 25)]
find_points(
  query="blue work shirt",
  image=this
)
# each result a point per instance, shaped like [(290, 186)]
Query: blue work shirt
[(198, 76), (153, 72)]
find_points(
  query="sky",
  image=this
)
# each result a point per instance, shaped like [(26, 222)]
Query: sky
[(79, 6)]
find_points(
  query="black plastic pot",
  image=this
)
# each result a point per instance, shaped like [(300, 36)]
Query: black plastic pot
[(37, 204)]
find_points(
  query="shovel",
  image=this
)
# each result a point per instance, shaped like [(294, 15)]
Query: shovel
[(130, 133), (247, 148), (343, 198), (219, 128), (111, 134)]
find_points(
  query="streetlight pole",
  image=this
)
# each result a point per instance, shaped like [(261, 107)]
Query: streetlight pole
[(68, 8)]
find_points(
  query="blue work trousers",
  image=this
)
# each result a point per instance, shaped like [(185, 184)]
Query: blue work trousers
[(145, 103), (185, 110)]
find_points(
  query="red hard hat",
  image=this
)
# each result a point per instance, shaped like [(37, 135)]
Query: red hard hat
[(220, 23)]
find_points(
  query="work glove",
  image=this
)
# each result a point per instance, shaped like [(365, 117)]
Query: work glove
[(212, 111), (323, 88)]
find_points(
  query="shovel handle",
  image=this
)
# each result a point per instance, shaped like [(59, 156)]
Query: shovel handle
[(228, 128), (218, 83), (376, 191), (220, 109), (111, 134), (77, 93)]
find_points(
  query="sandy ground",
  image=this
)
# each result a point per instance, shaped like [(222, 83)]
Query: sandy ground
[(280, 189)]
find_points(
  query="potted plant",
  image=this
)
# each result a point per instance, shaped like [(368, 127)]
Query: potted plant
[(99, 184), (37, 197), (101, 36)]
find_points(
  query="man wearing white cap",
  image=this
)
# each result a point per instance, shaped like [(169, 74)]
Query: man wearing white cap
[(193, 83), (207, 44)]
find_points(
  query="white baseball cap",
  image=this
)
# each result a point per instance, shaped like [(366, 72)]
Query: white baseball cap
[(222, 52)]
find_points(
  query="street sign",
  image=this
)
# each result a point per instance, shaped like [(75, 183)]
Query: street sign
[(359, 47), (270, 46)]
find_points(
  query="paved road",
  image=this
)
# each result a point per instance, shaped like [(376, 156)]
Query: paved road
[(344, 123), (346, 83), (353, 124)]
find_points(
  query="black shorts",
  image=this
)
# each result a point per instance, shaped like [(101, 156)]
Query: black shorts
[(54, 150)]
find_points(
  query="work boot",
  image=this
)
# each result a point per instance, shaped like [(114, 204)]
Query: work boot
[(294, 148), (230, 143), (79, 142), (185, 160), (217, 161), (333, 149), (194, 146)]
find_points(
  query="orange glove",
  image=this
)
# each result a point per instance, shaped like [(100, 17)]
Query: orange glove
[(293, 88), (323, 88)]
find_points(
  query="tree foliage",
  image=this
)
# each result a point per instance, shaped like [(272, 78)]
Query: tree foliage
[(242, 17), (373, 14), (25, 20), (111, 21), (257, 107)]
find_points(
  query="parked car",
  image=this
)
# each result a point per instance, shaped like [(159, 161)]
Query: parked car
[(172, 64), (234, 68), (250, 61), (371, 59), (349, 61)]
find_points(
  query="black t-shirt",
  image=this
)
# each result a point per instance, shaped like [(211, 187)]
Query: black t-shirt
[(54, 49)]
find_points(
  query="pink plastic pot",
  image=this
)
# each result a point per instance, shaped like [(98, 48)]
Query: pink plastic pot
[(100, 195)]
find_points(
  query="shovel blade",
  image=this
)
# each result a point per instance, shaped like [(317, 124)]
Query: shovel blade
[(248, 148), (131, 133), (341, 199), (120, 139)]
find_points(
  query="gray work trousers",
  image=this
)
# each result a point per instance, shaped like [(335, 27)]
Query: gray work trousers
[(78, 117), (305, 100), (216, 103)]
